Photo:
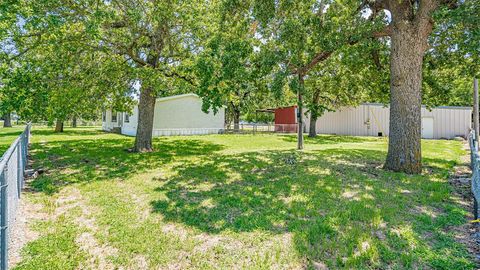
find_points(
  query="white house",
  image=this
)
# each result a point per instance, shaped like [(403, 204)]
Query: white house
[(174, 115), (372, 119)]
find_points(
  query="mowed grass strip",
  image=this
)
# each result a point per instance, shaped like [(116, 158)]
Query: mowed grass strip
[(8, 136), (247, 201)]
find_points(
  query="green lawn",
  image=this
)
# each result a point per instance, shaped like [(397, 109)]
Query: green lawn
[(240, 201), (8, 136)]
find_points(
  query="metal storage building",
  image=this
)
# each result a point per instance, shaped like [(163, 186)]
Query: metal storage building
[(372, 119)]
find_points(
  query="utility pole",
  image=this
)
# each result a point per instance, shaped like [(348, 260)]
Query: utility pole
[(475, 109)]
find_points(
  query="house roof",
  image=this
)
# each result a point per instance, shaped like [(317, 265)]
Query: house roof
[(177, 97)]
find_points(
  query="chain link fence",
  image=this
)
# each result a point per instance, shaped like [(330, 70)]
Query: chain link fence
[(475, 165), (12, 169)]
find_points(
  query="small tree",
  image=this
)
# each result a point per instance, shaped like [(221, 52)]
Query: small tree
[(302, 34), (334, 84), (229, 68)]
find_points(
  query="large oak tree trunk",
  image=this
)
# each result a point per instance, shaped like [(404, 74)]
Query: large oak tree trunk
[(312, 132), (406, 59), (59, 126), (146, 110), (7, 120)]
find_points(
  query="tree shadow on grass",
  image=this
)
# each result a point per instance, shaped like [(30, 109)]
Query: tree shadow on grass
[(339, 205), (86, 160)]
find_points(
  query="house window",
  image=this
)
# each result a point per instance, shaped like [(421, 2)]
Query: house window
[(127, 118), (104, 116), (114, 116)]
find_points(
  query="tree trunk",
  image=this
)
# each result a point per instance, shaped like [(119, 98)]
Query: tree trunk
[(146, 110), (300, 112), (59, 126), (312, 132), (227, 123), (236, 120), (406, 58), (7, 120), (74, 122)]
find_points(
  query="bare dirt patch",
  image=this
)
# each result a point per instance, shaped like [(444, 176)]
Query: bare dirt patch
[(20, 232), (69, 199), (139, 200), (350, 195), (100, 254)]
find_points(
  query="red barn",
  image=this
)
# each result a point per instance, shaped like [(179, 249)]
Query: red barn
[(286, 119)]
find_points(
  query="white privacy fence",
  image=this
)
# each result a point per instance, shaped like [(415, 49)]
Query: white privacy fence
[(12, 168)]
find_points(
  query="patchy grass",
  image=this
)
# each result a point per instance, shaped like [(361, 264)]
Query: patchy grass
[(241, 201)]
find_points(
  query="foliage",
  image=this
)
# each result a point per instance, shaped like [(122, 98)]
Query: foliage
[(242, 46), (456, 37), (345, 79), (80, 57), (446, 84), (303, 33), (155, 38), (453, 59), (51, 73), (229, 68)]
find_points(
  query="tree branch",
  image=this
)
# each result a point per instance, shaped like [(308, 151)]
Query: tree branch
[(423, 18), (116, 25), (376, 59), (174, 74), (134, 57), (35, 44), (316, 59)]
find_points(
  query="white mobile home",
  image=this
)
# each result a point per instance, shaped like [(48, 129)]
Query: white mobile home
[(372, 119), (174, 115)]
